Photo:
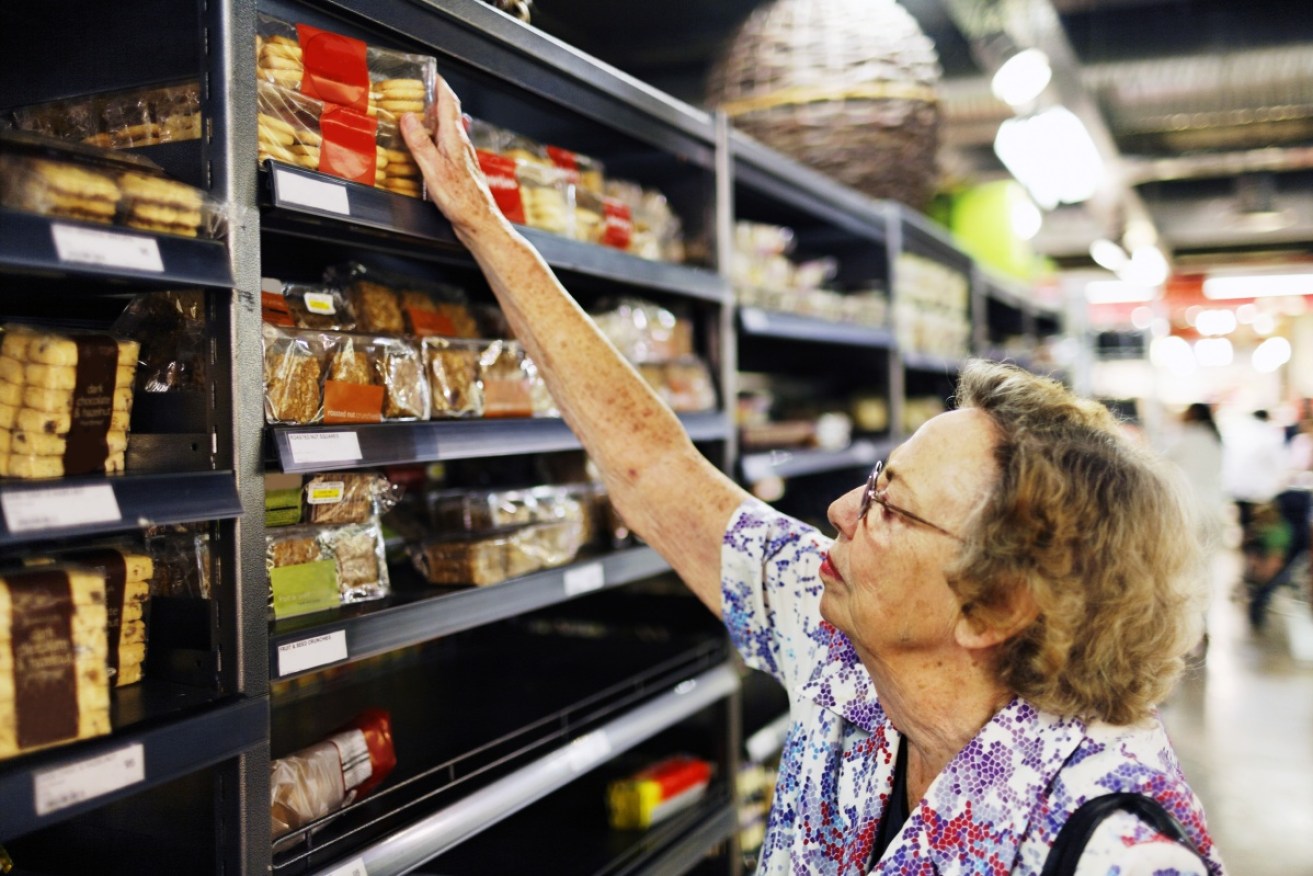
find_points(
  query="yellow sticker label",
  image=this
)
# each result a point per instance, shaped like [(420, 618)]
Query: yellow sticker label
[(320, 302), (329, 493)]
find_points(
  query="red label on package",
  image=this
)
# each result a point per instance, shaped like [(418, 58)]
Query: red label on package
[(619, 226), (566, 161), (273, 309), (335, 68), (350, 147), (352, 402), (499, 171), (428, 323)]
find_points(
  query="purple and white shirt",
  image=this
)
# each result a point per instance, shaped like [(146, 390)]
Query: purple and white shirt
[(998, 805)]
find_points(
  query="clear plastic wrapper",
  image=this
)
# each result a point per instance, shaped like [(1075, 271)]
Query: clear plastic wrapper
[(547, 197), (454, 372), (120, 119), (306, 305), (685, 384), (490, 558), (585, 172), (508, 380), (374, 296), (643, 331), (328, 775), (401, 365), (342, 70), (181, 558), (293, 376), (170, 327), (358, 569), (354, 389), (73, 181), (484, 510), (348, 497), (437, 310)]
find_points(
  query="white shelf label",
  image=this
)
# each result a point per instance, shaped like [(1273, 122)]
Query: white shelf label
[(324, 447), (65, 786), (59, 507), (317, 193), (588, 751), (312, 652), (350, 868), (584, 579), (88, 246)]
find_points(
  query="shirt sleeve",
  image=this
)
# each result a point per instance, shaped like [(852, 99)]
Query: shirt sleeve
[(770, 592), (1123, 845)]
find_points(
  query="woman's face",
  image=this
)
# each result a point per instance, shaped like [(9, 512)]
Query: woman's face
[(884, 579)]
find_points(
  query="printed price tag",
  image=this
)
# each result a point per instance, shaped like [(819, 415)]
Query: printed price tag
[(312, 652), (65, 786), (350, 868), (584, 579), (327, 493), (316, 193), (588, 751), (88, 246), (324, 447), (59, 507), (320, 302)]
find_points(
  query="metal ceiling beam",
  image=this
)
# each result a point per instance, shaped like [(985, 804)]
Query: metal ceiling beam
[(1035, 23)]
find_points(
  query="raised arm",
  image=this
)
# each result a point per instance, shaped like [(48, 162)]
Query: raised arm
[(663, 487)]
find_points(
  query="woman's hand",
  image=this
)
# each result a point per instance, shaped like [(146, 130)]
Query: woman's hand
[(450, 167)]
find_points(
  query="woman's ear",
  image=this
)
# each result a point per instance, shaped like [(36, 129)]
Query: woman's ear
[(980, 627)]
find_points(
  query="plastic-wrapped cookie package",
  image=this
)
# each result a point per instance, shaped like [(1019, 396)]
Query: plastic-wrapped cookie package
[(373, 295), (119, 119), (316, 567), (65, 402), (348, 497), (354, 387), (454, 371), (305, 305), (508, 380), (488, 558), (343, 70), (293, 376), (73, 181), (406, 386)]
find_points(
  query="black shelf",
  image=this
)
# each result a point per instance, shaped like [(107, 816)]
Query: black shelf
[(408, 618), (339, 447), (797, 463), (922, 236), (68, 248), (303, 202), (774, 324), (158, 753), (39, 509)]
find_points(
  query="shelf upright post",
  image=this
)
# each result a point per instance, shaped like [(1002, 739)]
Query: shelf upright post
[(229, 99), (897, 379), (979, 287), (724, 249)]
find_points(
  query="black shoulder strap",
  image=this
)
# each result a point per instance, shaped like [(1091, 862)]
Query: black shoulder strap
[(1070, 843)]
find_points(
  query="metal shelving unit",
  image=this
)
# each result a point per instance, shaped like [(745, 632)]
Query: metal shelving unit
[(787, 326), (797, 463)]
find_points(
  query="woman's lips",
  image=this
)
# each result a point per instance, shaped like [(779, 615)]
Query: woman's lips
[(828, 570)]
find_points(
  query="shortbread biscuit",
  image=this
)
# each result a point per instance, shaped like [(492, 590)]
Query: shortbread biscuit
[(11, 370), (56, 422), (272, 61), (279, 153), (402, 106), (61, 400), (157, 190), (6, 440), (286, 78), (65, 376), (9, 416), (386, 85), (54, 188), (41, 444)]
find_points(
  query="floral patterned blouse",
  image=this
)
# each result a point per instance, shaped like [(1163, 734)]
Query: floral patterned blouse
[(998, 805)]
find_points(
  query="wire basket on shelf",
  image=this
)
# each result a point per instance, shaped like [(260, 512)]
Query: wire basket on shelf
[(847, 87)]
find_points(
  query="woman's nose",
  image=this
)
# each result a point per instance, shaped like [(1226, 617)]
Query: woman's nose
[(843, 512)]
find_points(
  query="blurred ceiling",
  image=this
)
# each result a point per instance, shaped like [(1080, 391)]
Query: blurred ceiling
[(1208, 103)]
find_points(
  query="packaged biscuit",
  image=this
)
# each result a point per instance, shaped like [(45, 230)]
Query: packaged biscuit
[(406, 388), (305, 305), (454, 370), (508, 380), (127, 573), (684, 384), (73, 181), (336, 140), (54, 686), (74, 401), (358, 552), (654, 794), (283, 495), (293, 376), (657, 232), (312, 568), (437, 310), (483, 510), (584, 172), (547, 197), (120, 119), (348, 497), (341, 70), (170, 326), (374, 296), (492, 557), (326, 776), (353, 384), (180, 554)]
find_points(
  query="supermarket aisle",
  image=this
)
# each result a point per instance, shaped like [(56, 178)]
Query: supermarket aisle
[(1243, 726)]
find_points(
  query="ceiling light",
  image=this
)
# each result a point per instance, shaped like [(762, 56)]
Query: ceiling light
[(1264, 324), (1026, 217), (1116, 292), (1108, 254), (1022, 78), (1271, 354), (1052, 155), (1215, 322), (1172, 353), (1257, 285), (1147, 267), (1213, 352)]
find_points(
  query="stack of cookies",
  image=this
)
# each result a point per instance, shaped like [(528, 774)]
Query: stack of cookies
[(398, 172), (55, 188), (53, 685), (284, 142), (65, 402), (153, 203)]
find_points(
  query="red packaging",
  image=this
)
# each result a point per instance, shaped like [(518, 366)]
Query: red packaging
[(350, 144), (499, 172), (376, 725), (619, 224), (335, 67)]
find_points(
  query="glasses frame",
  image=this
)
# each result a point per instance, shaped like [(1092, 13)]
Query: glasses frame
[(872, 495)]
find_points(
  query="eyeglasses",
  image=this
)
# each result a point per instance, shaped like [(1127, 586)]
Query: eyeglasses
[(872, 495)]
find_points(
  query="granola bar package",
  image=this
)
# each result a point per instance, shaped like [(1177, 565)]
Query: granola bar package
[(454, 371), (293, 375), (305, 305), (354, 389), (400, 364), (348, 497)]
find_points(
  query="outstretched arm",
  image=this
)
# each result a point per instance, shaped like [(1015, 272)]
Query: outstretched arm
[(663, 487)]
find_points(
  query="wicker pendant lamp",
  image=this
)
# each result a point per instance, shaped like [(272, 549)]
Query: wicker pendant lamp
[(845, 86)]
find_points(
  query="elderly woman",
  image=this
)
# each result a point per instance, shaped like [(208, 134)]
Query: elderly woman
[(978, 650)]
